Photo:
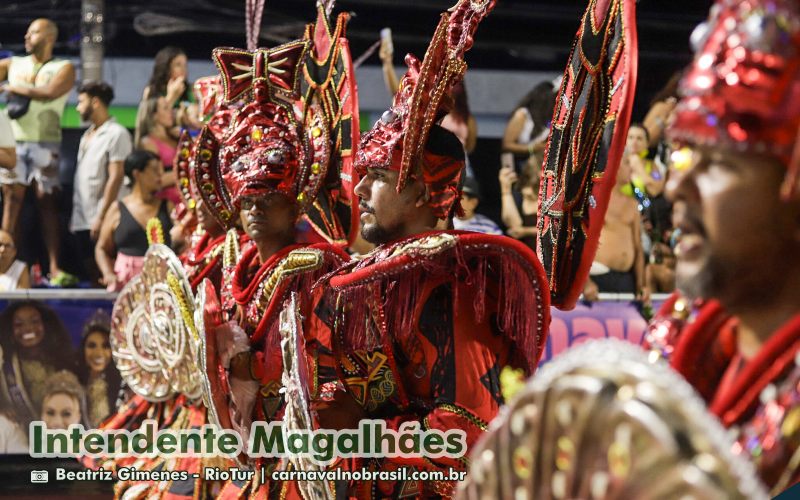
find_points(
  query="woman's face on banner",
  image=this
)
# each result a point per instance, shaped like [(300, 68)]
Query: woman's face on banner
[(60, 410), (28, 327), (97, 352)]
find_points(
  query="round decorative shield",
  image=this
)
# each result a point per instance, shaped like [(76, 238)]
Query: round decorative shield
[(602, 421), (153, 330), (587, 139), (170, 304), (133, 344)]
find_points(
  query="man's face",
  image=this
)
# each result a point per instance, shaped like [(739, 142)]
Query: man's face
[(735, 232), (39, 35), (269, 216), (385, 213), (85, 107)]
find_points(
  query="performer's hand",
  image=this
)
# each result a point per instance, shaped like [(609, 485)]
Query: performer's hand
[(342, 412)]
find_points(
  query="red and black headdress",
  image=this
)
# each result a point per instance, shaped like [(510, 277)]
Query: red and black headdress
[(586, 143), (293, 135), (402, 139), (743, 89)]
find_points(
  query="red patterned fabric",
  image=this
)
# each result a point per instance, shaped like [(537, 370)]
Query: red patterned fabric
[(759, 400), (586, 143), (422, 328)]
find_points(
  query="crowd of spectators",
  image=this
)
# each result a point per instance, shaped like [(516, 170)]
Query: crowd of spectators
[(122, 180)]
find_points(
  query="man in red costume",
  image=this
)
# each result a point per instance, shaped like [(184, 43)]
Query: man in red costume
[(737, 205), (283, 158), (424, 324)]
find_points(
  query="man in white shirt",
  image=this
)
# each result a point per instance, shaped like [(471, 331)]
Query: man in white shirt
[(99, 174)]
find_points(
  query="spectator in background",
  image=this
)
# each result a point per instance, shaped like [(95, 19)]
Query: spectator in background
[(660, 273), (619, 263), (35, 345), (472, 221), (527, 130), (96, 371), (100, 172), (46, 81), (63, 402), (644, 174), (649, 180), (661, 109), (155, 129), (123, 237), (8, 151), (169, 79), (460, 120), (521, 221), (13, 273)]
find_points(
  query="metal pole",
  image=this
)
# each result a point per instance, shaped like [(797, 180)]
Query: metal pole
[(92, 39)]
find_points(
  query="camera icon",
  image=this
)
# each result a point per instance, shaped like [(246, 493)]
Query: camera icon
[(39, 476)]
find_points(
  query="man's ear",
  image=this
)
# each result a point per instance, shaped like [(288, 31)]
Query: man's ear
[(423, 194)]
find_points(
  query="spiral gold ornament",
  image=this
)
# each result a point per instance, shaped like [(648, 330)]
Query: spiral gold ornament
[(153, 330), (133, 344)]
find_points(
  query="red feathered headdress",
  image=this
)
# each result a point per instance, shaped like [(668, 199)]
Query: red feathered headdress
[(399, 140)]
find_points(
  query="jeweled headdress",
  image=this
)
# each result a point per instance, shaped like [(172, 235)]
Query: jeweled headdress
[(184, 169), (259, 155), (743, 89), (399, 139), (294, 134), (586, 143)]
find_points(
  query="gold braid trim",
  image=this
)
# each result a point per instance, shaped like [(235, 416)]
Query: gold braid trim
[(461, 412), (297, 262), (231, 252), (179, 293)]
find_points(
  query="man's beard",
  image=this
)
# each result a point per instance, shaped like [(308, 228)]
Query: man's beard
[(378, 235), (86, 116)]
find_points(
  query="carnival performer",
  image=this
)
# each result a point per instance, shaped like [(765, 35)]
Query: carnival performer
[(284, 159), (734, 332), (424, 324)]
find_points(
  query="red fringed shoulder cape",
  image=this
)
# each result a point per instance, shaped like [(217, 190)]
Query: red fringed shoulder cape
[(422, 329)]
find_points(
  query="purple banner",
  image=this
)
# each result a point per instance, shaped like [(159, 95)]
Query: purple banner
[(596, 320)]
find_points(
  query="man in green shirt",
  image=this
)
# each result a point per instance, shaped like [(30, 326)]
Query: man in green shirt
[(47, 82)]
